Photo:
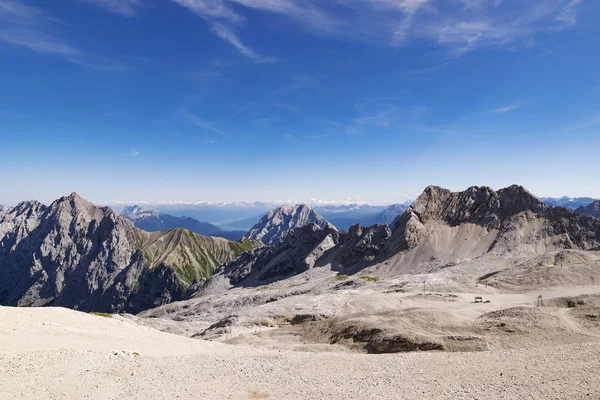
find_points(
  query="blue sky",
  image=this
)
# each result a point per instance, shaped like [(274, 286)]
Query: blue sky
[(222, 100)]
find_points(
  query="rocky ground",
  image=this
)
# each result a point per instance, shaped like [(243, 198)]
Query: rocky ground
[(320, 311), (55, 353)]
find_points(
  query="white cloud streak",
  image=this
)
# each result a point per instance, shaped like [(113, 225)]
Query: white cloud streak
[(201, 123), (30, 28), (508, 108), (127, 8), (459, 26), (224, 21), (227, 34)]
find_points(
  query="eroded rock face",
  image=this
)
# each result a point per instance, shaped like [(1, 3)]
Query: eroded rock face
[(519, 218), (76, 255), (362, 244), (591, 210), (300, 251), (476, 205), (274, 227), (4, 210)]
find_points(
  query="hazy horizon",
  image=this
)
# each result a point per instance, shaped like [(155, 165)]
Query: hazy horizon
[(310, 201)]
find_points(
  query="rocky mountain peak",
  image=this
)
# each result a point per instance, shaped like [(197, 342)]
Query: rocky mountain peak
[(274, 227), (477, 204), (509, 220), (74, 208), (308, 232), (28, 207), (136, 212), (516, 198), (82, 256)]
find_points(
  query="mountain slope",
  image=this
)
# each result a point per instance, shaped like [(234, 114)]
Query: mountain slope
[(443, 227), (440, 229), (191, 256), (274, 227), (591, 210), (304, 248), (77, 255)]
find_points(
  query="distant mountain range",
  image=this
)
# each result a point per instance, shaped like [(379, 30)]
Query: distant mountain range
[(570, 203), (383, 215), (151, 220), (220, 214), (242, 216)]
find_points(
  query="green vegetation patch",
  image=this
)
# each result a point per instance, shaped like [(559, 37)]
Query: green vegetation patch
[(370, 278), (101, 314), (244, 246)]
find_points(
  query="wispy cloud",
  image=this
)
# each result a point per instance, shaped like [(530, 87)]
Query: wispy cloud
[(201, 123), (459, 26), (341, 201), (228, 34), (568, 13), (127, 8), (508, 108), (134, 153), (31, 28), (224, 22)]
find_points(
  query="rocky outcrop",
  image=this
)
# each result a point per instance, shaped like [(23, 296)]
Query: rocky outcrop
[(4, 210), (443, 227), (275, 226), (304, 248), (362, 244), (77, 255), (591, 210), (301, 250)]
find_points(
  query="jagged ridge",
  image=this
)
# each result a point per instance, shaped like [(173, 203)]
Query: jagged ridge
[(77, 255), (440, 228), (591, 210)]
